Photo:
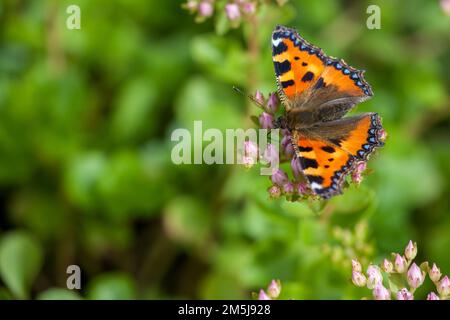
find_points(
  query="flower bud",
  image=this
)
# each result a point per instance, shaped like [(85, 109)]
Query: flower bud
[(434, 273), (205, 9), (232, 11), (404, 294), (249, 7), (289, 151), (288, 188), (432, 296), (387, 266), (271, 154), (357, 173), (374, 276), (263, 296), (191, 5), (444, 287), (274, 192), (356, 266), (445, 6), (415, 276), (273, 103), (411, 250), (250, 154), (381, 293), (382, 135), (279, 177), (266, 120), (296, 168), (358, 279), (259, 97), (274, 289), (399, 263), (302, 188)]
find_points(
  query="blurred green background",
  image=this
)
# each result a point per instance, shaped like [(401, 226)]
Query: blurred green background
[(86, 176)]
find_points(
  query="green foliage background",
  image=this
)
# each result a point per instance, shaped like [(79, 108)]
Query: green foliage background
[(86, 176)]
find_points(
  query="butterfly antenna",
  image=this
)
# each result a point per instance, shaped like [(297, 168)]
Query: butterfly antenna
[(259, 104)]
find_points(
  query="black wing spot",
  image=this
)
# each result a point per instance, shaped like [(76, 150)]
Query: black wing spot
[(308, 163), (336, 142), (331, 159), (328, 149), (297, 58), (314, 178), (308, 76), (319, 84), (280, 48), (305, 149), (288, 83), (304, 64), (326, 166), (282, 67)]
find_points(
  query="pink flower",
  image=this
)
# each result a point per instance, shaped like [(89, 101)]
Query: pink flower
[(445, 5), (191, 5), (358, 279), (302, 188), (399, 263), (356, 266), (357, 173), (415, 276), (279, 177), (432, 296), (249, 7), (444, 286), (411, 250), (271, 154), (266, 120), (296, 168), (274, 192), (381, 293), (259, 97), (205, 9), (250, 154), (263, 296), (404, 294), (273, 103), (233, 12), (374, 276), (434, 273), (274, 289), (387, 266), (288, 188), (382, 135), (287, 146)]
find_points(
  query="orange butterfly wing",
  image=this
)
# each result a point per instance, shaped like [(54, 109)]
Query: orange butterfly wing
[(329, 153), (304, 70)]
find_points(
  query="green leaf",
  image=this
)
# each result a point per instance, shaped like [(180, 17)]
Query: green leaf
[(58, 294), (20, 262)]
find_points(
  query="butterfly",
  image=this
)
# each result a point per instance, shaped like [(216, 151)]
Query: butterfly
[(317, 91)]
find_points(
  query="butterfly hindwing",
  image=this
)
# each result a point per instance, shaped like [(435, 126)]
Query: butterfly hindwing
[(323, 164), (359, 135), (327, 153)]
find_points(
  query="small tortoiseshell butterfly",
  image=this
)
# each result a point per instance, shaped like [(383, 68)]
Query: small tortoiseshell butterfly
[(317, 91)]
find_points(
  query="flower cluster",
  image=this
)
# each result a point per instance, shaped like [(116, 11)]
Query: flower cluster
[(235, 10), (404, 277), (295, 188), (273, 291)]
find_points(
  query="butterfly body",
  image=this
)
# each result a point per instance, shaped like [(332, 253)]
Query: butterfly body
[(317, 91)]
